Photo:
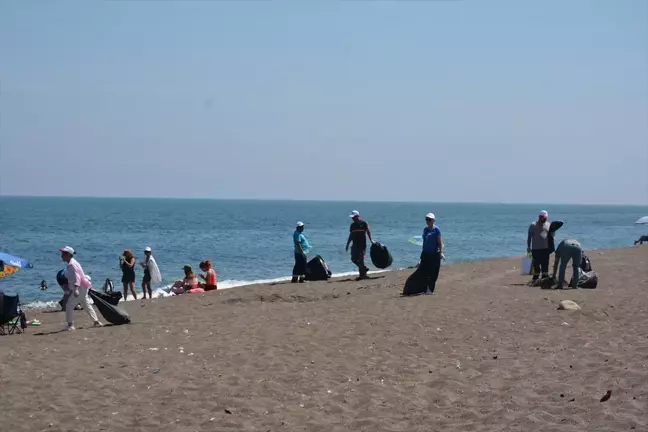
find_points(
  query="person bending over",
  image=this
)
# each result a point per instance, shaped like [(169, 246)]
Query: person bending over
[(642, 239), (568, 249)]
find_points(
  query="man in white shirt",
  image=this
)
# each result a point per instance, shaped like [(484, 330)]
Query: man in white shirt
[(78, 285)]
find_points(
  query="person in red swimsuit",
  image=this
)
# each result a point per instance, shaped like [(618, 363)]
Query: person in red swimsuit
[(209, 277)]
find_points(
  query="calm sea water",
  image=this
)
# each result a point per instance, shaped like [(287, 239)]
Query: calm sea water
[(251, 241)]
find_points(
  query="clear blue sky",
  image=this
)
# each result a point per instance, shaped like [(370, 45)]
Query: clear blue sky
[(505, 101)]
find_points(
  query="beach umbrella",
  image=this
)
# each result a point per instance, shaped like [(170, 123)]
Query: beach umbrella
[(6, 270), (14, 261), (642, 221)]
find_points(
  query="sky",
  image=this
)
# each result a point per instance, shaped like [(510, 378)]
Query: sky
[(446, 101)]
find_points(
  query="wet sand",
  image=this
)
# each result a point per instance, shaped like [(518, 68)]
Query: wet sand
[(486, 353)]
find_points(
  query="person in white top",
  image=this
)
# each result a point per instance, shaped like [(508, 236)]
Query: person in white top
[(78, 285), (151, 273)]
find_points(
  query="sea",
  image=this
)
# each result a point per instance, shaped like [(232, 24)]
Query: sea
[(250, 242)]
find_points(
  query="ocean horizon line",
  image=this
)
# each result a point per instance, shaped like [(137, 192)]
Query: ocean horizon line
[(337, 201)]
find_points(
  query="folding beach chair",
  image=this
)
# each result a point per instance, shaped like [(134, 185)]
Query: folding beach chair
[(12, 318)]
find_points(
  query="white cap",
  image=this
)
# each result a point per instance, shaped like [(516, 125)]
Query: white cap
[(544, 213), (147, 249), (430, 216), (300, 224), (354, 213), (67, 249)]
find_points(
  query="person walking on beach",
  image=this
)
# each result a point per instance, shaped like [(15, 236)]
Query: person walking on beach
[(538, 245), (127, 264), (359, 231), (151, 273), (301, 259), (77, 287), (568, 249), (432, 252)]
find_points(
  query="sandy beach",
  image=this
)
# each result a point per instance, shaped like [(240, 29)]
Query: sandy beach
[(486, 353)]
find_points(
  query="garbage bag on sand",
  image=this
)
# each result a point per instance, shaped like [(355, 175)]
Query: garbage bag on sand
[(112, 297), (380, 256), (111, 313), (317, 270), (415, 284), (588, 280)]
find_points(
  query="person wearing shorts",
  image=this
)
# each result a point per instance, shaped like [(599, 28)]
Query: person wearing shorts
[(127, 264), (358, 233)]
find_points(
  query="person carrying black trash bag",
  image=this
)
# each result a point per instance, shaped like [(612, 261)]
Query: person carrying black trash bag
[(359, 231), (432, 253), (301, 249)]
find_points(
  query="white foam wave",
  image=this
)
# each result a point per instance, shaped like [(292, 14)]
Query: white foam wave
[(165, 291)]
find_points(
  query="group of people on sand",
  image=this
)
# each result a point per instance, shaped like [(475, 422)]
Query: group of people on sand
[(76, 283), (541, 244), (359, 231), (189, 284)]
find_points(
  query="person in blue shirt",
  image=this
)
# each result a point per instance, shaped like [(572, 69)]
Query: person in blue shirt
[(432, 252), (301, 249)]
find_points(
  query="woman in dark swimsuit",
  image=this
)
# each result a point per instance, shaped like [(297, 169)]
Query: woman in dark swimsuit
[(128, 273)]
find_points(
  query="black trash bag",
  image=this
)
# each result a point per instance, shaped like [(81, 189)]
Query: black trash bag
[(111, 313), (317, 270), (108, 286), (553, 227), (380, 256), (111, 297), (415, 284), (588, 280), (586, 264)]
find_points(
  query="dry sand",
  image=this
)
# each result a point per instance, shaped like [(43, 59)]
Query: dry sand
[(487, 353)]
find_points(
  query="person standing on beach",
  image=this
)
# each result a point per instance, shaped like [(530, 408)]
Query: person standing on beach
[(301, 259), (77, 287), (538, 245), (151, 273), (359, 231), (432, 252), (127, 264), (568, 249)]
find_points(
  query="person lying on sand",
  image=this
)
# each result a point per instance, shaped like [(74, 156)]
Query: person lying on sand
[(643, 238), (189, 282), (209, 277)]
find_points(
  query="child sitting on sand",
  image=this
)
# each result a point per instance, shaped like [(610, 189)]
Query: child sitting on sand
[(190, 282)]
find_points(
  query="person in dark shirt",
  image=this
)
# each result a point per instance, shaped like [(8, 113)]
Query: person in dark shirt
[(359, 231)]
